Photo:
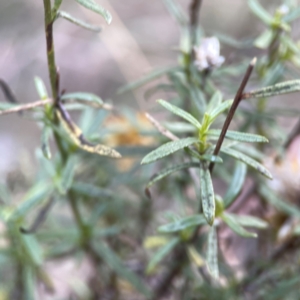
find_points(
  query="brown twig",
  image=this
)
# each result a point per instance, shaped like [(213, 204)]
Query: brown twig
[(232, 110)]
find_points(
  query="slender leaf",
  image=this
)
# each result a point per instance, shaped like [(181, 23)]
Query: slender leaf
[(28, 282), (162, 174), (195, 257), (33, 249), (68, 17), (36, 195), (149, 77), (220, 109), (90, 190), (292, 16), (176, 11), (285, 87), (238, 136), (116, 264), (180, 112), (236, 183), (46, 133), (260, 12), (155, 241), (182, 224), (247, 160), (278, 203), (68, 174), (92, 5), (179, 127), (207, 194), (265, 39), (161, 253), (231, 221), (214, 102), (212, 253), (168, 149), (250, 221), (40, 87), (84, 98)]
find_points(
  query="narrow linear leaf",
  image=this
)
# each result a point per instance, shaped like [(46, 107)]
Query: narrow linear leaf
[(164, 173), (278, 203), (84, 98), (179, 127), (195, 257), (149, 77), (176, 11), (247, 160), (168, 149), (68, 17), (292, 16), (92, 5), (91, 191), (236, 183), (239, 136), (33, 249), (36, 195), (46, 133), (161, 253), (28, 281), (41, 88), (212, 253), (182, 224), (207, 194), (260, 12), (220, 109), (285, 87), (214, 102), (68, 174), (265, 39), (250, 221), (115, 263), (180, 112), (231, 221), (75, 135)]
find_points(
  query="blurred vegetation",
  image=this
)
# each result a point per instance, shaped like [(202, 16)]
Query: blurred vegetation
[(171, 206)]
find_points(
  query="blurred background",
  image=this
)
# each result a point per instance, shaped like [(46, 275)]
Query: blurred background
[(142, 37)]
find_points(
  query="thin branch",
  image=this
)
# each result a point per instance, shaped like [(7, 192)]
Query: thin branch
[(26, 106), (232, 110), (160, 128)]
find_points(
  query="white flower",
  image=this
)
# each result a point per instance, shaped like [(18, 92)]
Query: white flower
[(207, 54)]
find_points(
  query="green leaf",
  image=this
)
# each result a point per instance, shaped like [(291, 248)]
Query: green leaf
[(33, 249), (40, 87), (250, 221), (239, 136), (91, 191), (149, 77), (214, 102), (207, 194), (236, 183), (176, 11), (182, 224), (28, 281), (279, 204), (212, 253), (231, 221), (36, 195), (180, 127), (68, 174), (162, 174), (220, 109), (260, 12), (92, 5), (161, 253), (265, 39), (84, 98), (115, 263), (46, 133), (285, 87), (168, 149), (180, 112), (247, 160), (68, 17), (292, 16)]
